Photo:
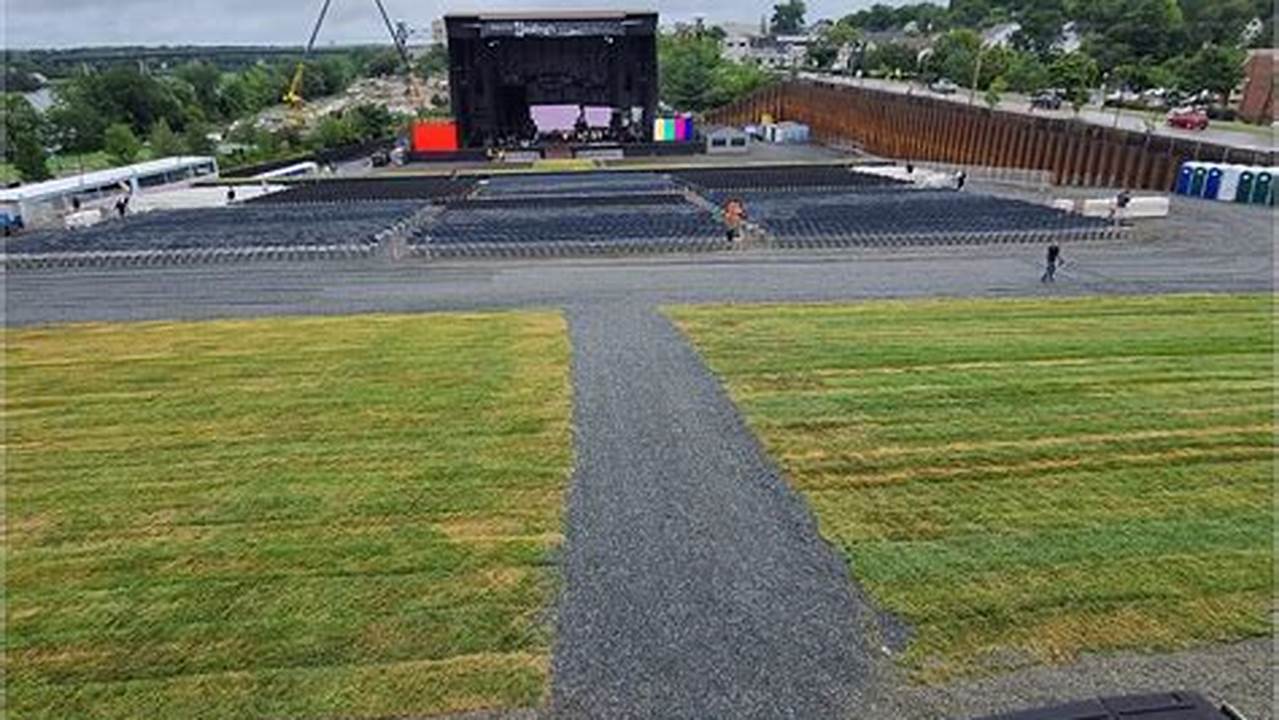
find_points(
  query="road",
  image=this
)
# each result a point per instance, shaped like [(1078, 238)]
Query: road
[(1096, 115)]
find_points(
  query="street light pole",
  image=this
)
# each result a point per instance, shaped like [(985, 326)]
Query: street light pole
[(972, 89)]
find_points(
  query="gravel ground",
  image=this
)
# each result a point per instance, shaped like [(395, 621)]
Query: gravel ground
[(695, 585)]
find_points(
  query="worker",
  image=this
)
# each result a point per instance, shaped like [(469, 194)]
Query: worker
[(1054, 258), (734, 217), (1122, 201), (961, 178)]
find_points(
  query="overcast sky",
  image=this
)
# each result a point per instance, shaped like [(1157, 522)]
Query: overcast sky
[(64, 23)]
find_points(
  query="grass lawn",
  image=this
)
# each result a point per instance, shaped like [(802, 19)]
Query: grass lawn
[(302, 518), (1023, 481)]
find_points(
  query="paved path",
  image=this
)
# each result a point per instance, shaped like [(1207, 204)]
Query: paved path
[(695, 583)]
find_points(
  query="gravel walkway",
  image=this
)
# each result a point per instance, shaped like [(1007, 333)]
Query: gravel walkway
[(695, 584)]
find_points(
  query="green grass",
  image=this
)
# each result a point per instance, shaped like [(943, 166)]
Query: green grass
[(303, 518), (1023, 481)]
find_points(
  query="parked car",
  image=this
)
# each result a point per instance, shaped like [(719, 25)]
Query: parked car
[(1122, 99), (1188, 118), (1046, 100), (10, 222), (944, 87)]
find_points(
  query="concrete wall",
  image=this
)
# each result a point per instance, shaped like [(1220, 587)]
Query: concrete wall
[(926, 129)]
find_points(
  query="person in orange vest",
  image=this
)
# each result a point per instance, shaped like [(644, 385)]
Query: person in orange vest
[(734, 217)]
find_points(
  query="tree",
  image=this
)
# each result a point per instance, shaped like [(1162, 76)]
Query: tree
[(1119, 33), (995, 93), (371, 122), (788, 17), (687, 67), (1076, 74), (75, 123), (121, 144), (1026, 73), (434, 62), (1216, 69), (384, 64), (892, 59), (196, 139), (1041, 23), (205, 80), (23, 139), (164, 142), (954, 56)]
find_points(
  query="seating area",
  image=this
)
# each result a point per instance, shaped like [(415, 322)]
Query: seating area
[(243, 226), (888, 216), (548, 215), (366, 189), (781, 178)]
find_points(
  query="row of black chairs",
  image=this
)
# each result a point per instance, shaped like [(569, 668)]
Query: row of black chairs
[(244, 226), (336, 190), (781, 178)]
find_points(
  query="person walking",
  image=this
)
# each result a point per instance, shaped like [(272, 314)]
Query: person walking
[(961, 178), (1054, 259)]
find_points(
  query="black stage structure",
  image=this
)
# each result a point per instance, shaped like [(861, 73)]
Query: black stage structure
[(501, 65)]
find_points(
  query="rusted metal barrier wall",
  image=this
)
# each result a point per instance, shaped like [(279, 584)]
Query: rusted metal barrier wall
[(927, 129)]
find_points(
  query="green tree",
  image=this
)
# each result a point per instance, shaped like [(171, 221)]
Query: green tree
[(1119, 33), (371, 122), (24, 138), (205, 79), (788, 17), (1026, 73), (434, 63), (121, 144), (995, 93), (75, 123), (332, 132), (892, 59), (196, 139), (687, 66), (954, 56), (1076, 74), (1041, 23), (1216, 69), (163, 141), (385, 64)]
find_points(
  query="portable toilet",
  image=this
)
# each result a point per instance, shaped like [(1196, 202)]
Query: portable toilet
[(1261, 188), (1246, 179), (1213, 184), (1184, 176), (1199, 179), (1229, 183)]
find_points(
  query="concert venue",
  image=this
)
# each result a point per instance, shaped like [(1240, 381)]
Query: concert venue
[(843, 400)]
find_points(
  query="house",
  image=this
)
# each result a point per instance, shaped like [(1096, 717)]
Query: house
[(1258, 103)]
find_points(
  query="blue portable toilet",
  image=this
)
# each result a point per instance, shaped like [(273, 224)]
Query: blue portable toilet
[(1244, 193), (1261, 188), (1184, 177), (1198, 181), (1213, 185)]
